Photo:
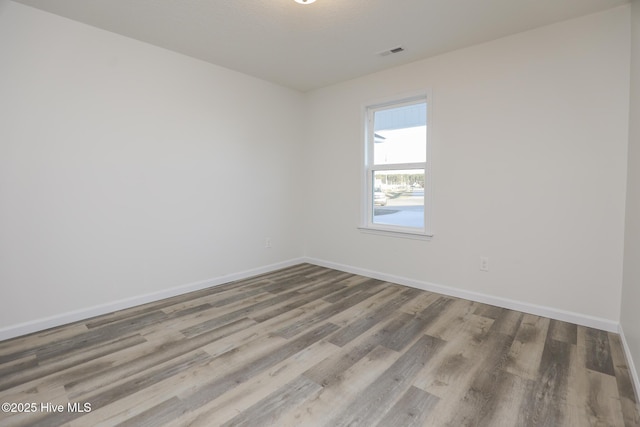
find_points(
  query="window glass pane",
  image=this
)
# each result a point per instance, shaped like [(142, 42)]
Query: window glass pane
[(398, 198), (400, 135)]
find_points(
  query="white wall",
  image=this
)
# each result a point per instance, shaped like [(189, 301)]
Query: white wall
[(529, 168), (126, 169), (630, 317)]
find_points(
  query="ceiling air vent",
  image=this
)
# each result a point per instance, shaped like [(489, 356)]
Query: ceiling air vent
[(390, 51)]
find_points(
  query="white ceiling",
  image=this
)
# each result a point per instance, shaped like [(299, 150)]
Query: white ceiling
[(310, 46)]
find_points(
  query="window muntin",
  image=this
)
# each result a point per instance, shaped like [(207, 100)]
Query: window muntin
[(397, 167)]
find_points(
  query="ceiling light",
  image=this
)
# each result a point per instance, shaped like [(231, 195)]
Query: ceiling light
[(305, 1)]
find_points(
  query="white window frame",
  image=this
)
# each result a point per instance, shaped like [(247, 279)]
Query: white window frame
[(366, 223)]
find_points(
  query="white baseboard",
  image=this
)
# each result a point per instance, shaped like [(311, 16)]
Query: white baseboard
[(86, 313), (566, 316), (632, 367), (82, 314)]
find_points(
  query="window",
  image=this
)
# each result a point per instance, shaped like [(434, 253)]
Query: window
[(397, 167)]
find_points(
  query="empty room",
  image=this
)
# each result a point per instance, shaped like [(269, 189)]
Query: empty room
[(320, 213)]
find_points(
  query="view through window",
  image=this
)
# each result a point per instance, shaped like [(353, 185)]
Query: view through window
[(397, 166)]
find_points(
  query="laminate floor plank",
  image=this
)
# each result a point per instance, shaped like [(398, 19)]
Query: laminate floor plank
[(293, 303), (602, 400), (99, 336), (331, 369), (598, 351), (18, 366), (507, 323), (490, 311), (254, 335), (563, 331), (452, 377), (483, 387), (543, 406), (323, 314), (454, 317), (213, 389), (184, 301), (411, 410), (450, 369), (630, 407), (327, 273), (115, 366), (353, 290), (415, 327), (510, 393), (335, 396), (380, 396), (367, 320), (234, 315), (355, 307), (126, 389), (260, 387), (578, 412), (40, 370), (25, 346), (271, 407), (311, 346), (528, 346), (146, 362), (420, 302)]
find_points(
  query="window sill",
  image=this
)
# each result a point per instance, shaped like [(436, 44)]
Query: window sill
[(396, 233)]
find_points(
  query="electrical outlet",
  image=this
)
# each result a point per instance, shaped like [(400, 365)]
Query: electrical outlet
[(484, 263), (267, 242)]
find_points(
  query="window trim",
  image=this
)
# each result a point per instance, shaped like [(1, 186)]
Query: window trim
[(368, 168)]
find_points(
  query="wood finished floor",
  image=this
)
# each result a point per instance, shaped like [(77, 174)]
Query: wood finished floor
[(310, 346)]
